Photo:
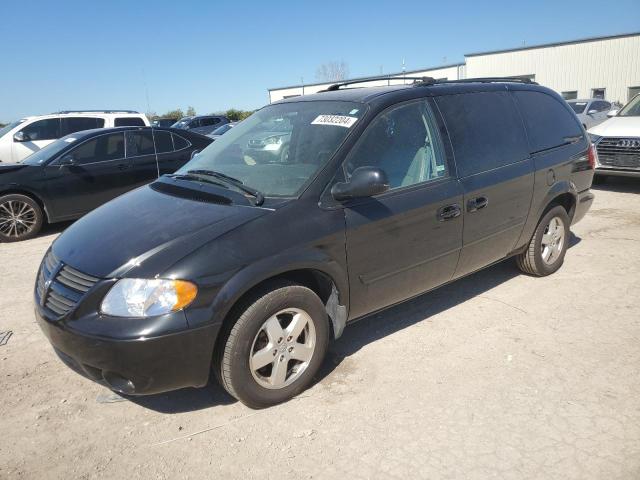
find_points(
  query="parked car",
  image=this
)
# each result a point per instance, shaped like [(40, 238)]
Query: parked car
[(272, 143), (221, 130), (20, 139), (618, 142), (591, 111), (164, 122), (249, 269), (203, 124), (79, 172)]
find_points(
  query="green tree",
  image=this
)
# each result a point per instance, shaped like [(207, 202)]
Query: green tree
[(191, 111), (236, 115)]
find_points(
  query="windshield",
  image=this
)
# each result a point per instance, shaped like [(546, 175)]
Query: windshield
[(631, 109), (578, 107), (278, 149), (182, 123), (8, 128), (222, 129), (49, 151)]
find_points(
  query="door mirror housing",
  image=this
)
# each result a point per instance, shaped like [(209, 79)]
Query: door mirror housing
[(364, 182), (612, 113), (21, 137), (591, 112), (67, 160)]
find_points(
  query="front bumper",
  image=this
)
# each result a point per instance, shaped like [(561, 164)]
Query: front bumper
[(583, 204), (137, 366)]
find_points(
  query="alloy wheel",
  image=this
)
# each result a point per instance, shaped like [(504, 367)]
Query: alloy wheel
[(553, 240), (17, 218), (282, 348)]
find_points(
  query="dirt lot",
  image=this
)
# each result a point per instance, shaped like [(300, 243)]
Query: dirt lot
[(499, 375)]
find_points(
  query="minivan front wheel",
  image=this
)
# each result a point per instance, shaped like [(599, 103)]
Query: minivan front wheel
[(548, 246), (275, 347), (20, 218)]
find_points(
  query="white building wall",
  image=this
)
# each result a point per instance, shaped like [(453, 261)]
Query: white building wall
[(613, 64), (454, 72)]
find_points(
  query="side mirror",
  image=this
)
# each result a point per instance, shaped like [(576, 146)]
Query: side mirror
[(364, 182), (194, 153), (591, 112), (67, 161), (612, 113), (21, 137)]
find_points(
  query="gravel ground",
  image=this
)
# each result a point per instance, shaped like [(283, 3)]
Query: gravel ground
[(499, 375)]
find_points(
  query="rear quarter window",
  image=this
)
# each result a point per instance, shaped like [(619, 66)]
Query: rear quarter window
[(485, 129), (548, 121), (129, 122)]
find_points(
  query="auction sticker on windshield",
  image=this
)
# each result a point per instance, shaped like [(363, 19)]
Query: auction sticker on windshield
[(337, 120)]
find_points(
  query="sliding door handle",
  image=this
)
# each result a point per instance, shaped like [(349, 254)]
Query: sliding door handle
[(477, 203)]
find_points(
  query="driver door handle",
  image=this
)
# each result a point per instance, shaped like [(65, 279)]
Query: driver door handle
[(449, 212)]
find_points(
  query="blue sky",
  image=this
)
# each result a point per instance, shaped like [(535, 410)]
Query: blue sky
[(215, 55)]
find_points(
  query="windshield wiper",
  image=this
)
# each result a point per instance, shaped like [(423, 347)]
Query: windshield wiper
[(185, 176), (239, 184)]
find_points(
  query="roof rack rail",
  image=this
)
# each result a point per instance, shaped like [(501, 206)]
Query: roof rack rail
[(482, 80), (425, 81), (97, 111), (336, 86)]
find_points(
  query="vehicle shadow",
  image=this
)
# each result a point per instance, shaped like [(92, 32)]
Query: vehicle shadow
[(619, 185), (53, 228), (367, 330)]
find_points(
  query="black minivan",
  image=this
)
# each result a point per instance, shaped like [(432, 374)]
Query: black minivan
[(248, 266)]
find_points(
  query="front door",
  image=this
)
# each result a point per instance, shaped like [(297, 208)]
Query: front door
[(407, 240), (99, 173), (36, 135)]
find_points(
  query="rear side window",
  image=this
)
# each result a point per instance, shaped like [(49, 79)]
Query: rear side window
[(129, 122), (100, 149), (48, 129), (139, 143), (77, 124), (205, 122), (548, 121), (179, 143), (163, 142), (485, 129)]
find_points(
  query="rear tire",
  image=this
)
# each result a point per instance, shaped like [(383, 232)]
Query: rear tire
[(259, 361), (21, 218), (548, 246)]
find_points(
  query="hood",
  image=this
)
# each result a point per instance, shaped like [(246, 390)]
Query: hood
[(618, 127), (144, 232)]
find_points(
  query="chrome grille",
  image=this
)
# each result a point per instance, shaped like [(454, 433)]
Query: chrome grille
[(60, 287), (619, 152)]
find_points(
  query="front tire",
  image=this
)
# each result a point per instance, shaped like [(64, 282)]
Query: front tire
[(275, 347), (20, 218), (548, 246)]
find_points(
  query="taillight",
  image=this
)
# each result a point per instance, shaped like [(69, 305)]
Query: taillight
[(593, 156)]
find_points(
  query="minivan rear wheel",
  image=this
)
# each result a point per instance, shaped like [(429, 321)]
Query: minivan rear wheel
[(275, 347), (20, 218), (548, 246)]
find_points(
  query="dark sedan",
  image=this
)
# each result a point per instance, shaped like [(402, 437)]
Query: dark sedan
[(81, 171)]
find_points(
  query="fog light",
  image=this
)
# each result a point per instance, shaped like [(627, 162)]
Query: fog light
[(118, 383)]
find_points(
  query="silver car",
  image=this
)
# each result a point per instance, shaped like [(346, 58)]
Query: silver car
[(591, 111)]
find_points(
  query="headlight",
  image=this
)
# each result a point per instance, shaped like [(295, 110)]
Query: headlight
[(132, 297)]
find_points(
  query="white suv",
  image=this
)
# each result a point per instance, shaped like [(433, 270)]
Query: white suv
[(20, 139)]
